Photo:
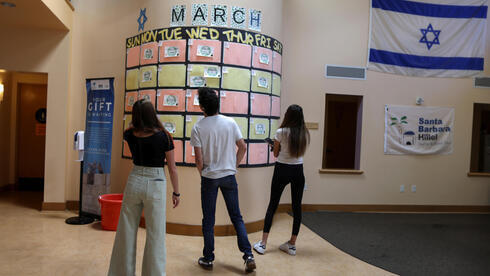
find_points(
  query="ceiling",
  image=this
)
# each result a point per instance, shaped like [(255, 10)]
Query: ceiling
[(29, 14)]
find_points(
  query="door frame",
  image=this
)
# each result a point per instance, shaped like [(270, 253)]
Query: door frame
[(17, 79)]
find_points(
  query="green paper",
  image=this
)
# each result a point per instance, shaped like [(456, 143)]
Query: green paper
[(132, 77), (274, 127), (253, 128), (189, 124), (198, 71), (276, 85), (148, 76), (242, 123), (171, 75), (258, 76), (174, 124), (236, 78)]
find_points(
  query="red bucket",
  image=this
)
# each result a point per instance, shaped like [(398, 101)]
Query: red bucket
[(110, 207)]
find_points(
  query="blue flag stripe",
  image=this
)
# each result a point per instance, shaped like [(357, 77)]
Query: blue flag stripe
[(425, 62), (433, 10)]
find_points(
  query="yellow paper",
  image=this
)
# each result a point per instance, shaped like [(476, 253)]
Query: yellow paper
[(127, 121), (132, 77), (236, 78), (171, 75), (173, 124), (274, 127), (276, 85), (259, 76), (197, 70), (148, 76), (259, 128), (190, 121), (242, 123)]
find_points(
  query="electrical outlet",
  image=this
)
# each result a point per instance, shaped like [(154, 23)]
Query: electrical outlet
[(414, 188), (402, 188)]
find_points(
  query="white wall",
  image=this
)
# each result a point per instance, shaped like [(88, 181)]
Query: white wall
[(318, 32)]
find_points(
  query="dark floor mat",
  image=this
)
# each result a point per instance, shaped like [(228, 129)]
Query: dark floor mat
[(410, 244)]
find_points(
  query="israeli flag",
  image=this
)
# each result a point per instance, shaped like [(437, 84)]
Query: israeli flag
[(432, 38)]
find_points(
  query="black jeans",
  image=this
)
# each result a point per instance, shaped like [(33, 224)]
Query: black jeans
[(209, 193), (283, 175)]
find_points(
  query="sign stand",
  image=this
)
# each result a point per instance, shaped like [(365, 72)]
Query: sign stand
[(81, 219)]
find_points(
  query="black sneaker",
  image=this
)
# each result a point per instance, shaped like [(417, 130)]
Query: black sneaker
[(250, 264), (208, 265)]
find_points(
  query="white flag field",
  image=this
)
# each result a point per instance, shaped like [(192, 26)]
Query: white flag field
[(418, 130), (431, 38)]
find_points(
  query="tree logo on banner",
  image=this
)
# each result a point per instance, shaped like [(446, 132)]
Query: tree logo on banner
[(406, 137)]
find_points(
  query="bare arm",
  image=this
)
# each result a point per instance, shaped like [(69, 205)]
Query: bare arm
[(242, 148), (172, 169), (277, 148), (199, 162)]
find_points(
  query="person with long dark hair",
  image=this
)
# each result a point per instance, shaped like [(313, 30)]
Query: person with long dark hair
[(290, 144), (151, 145)]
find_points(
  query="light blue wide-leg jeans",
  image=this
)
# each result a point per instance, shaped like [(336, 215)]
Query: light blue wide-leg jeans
[(146, 188)]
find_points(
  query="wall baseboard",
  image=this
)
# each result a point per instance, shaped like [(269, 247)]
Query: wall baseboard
[(389, 208), (53, 206), (8, 188), (72, 205)]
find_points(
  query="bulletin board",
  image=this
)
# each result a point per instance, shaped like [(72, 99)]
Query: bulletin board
[(167, 66)]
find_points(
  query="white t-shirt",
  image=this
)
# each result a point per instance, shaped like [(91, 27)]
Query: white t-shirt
[(217, 136), (282, 136)]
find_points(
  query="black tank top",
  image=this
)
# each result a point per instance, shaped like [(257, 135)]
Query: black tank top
[(149, 151)]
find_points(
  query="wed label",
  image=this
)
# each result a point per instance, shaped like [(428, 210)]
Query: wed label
[(146, 76), (264, 58), (188, 93), (170, 127), (223, 94), (198, 81), (205, 51), (170, 100), (262, 82), (259, 129), (172, 51), (148, 54), (211, 72)]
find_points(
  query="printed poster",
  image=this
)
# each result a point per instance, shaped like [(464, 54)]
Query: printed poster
[(418, 130), (98, 143)]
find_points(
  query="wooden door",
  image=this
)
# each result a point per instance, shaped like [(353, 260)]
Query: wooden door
[(31, 129)]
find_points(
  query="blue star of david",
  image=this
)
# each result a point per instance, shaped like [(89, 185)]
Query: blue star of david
[(142, 20), (424, 36)]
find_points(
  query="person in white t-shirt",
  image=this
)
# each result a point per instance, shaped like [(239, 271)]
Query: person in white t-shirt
[(290, 144), (215, 139)]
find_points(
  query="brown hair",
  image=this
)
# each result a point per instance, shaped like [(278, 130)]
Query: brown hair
[(299, 136), (145, 118)]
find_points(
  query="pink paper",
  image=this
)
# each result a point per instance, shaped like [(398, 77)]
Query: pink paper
[(276, 106), (131, 98), (237, 54), (234, 102), (126, 151), (189, 158), (147, 94), (191, 101), (151, 49), (181, 44), (179, 94), (133, 57), (256, 59), (178, 151), (257, 153), (260, 104), (211, 43), (276, 62)]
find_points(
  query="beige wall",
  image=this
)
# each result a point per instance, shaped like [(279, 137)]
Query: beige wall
[(38, 50), (99, 32), (336, 32), (5, 79)]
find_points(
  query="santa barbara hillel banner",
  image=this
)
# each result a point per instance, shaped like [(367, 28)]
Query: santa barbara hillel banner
[(429, 38), (418, 130)]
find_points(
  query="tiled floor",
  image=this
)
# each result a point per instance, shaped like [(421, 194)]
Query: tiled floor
[(40, 243)]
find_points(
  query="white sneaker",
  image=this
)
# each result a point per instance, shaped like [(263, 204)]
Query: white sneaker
[(288, 248), (259, 247)]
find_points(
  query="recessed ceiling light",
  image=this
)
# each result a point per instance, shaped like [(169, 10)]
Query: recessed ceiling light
[(7, 4)]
